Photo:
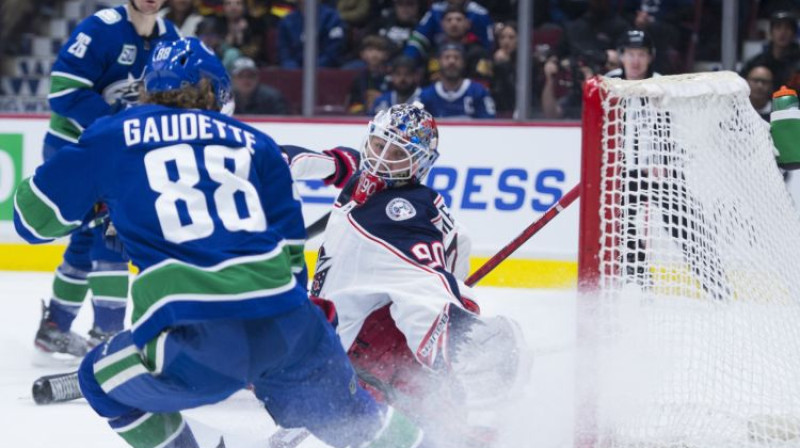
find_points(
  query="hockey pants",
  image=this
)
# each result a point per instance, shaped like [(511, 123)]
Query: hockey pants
[(294, 362)]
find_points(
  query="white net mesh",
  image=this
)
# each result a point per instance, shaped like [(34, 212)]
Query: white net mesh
[(697, 317)]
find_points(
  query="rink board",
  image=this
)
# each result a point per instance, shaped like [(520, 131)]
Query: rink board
[(496, 177), (513, 273)]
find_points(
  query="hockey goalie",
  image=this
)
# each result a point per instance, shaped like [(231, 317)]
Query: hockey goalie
[(392, 265)]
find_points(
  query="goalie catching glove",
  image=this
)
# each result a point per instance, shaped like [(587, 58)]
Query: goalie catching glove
[(347, 161)]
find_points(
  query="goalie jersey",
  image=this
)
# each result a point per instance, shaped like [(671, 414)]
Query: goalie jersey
[(100, 64), (202, 203), (401, 247)]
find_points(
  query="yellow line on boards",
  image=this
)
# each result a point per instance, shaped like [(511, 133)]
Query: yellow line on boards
[(512, 273)]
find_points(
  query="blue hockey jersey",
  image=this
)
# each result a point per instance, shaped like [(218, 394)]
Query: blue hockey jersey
[(202, 203), (471, 100), (424, 37), (101, 62)]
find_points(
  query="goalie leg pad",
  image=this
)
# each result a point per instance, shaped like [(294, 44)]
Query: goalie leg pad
[(487, 357), (385, 364)]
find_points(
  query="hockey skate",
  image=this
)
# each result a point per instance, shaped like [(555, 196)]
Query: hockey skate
[(98, 336), (56, 346)]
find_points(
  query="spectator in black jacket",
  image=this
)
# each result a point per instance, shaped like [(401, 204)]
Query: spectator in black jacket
[(253, 98), (595, 32), (759, 77), (397, 23), (505, 67), (372, 80), (782, 52)]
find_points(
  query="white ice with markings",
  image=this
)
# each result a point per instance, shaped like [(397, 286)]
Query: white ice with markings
[(541, 418)]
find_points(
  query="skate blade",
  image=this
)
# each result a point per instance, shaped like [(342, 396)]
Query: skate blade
[(42, 358)]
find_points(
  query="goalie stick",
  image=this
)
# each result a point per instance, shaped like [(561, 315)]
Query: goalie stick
[(526, 234)]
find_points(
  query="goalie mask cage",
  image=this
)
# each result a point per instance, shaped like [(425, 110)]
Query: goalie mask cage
[(689, 303)]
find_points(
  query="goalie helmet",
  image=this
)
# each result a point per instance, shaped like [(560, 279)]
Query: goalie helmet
[(401, 145), (185, 62)]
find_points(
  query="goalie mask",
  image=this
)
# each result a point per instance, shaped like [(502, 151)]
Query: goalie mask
[(401, 145)]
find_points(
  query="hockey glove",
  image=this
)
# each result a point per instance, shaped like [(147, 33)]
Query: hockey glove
[(346, 161)]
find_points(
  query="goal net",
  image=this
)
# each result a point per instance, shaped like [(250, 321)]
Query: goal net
[(689, 270)]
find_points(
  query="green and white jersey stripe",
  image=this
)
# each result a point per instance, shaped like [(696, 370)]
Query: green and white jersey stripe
[(62, 84), (39, 214), (118, 368), (153, 430), (236, 279)]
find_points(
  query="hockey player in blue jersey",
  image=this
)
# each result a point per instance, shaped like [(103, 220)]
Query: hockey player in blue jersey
[(204, 206), (393, 262), (97, 72), (454, 95)]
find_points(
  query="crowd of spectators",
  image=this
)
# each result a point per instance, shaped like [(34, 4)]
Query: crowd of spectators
[(459, 56)]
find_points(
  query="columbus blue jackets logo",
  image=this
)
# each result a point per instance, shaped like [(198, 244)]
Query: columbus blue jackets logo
[(400, 209)]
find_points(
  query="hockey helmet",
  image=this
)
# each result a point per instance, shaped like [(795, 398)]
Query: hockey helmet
[(636, 39), (185, 62), (401, 145)]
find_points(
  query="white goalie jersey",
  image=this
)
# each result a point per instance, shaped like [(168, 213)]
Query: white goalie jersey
[(402, 248)]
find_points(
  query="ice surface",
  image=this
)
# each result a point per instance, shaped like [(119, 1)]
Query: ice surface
[(542, 417)]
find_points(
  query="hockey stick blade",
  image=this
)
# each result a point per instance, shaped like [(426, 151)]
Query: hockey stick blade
[(526, 234), (318, 226), (56, 388), (288, 437)]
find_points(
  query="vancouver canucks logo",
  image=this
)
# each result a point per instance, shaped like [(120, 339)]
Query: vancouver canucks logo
[(126, 90), (400, 209)]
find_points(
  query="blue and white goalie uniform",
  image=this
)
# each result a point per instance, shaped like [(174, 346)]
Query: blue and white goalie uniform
[(402, 247), (100, 64), (200, 204), (471, 100)]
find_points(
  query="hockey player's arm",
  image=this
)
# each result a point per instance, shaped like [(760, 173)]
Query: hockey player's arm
[(282, 207), (333, 166), (80, 63), (419, 43), (58, 198)]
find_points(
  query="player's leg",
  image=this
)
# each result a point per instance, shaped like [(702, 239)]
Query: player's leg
[(108, 283), (687, 224), (634, 239), (142, 392), (69, 286), (317, 388), (69, 290)]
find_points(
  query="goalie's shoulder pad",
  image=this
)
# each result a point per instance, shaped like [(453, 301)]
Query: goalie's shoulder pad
[(399, 214), (411, 208)]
